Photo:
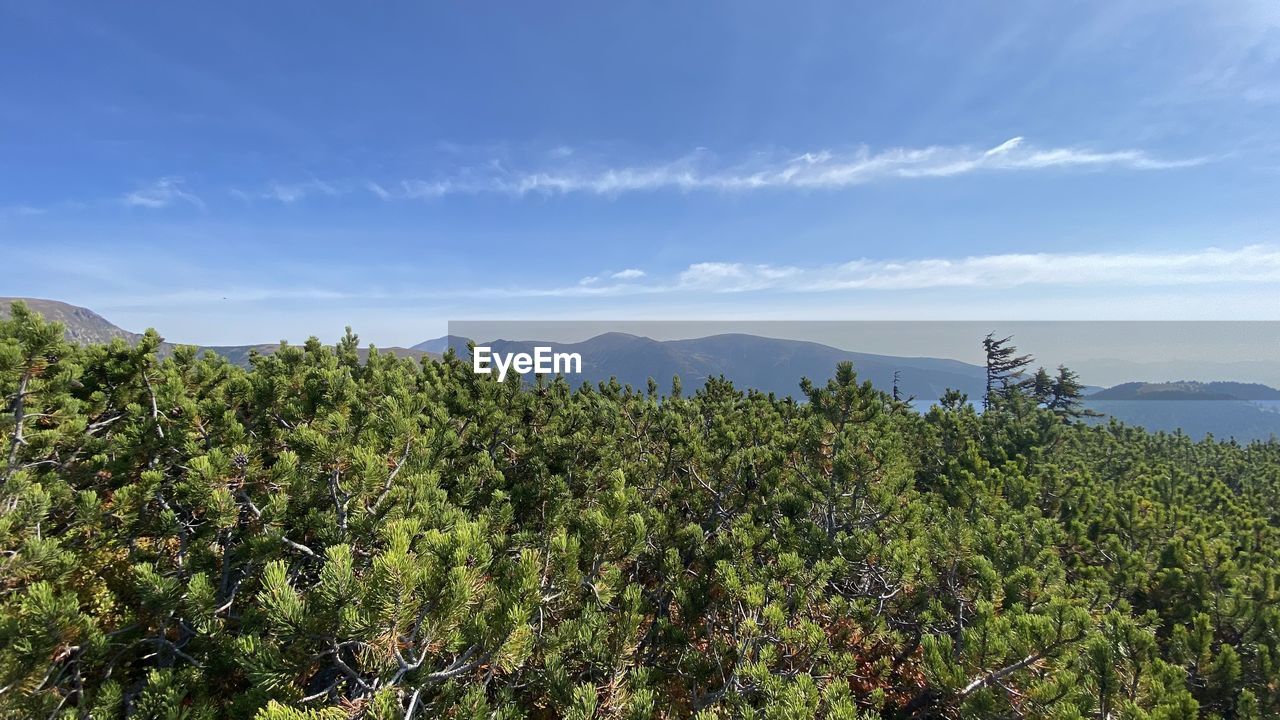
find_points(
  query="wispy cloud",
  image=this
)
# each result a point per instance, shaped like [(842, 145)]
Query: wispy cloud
[(1253, 265), (1250, 269), (626, 275), (378, 190), (566, 173), (291, 192), (1250, 265), (823, 169), (1209, 283), (162, 193), (22, 211)]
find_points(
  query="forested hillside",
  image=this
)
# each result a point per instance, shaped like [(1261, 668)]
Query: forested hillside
[(321, 537)]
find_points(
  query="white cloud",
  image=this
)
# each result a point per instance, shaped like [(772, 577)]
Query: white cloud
[(1256, 266), (623, 275), (698, 171), (823, 169), (421, 189), (292, 192), (1209, 283), (1250, 265), (162, 193), (289, 193), (720, 275)]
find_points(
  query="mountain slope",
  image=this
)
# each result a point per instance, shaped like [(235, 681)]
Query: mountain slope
[(1188, 390), (439, 345), (85, 327), (767, 364), (1244, 411), (1243, 421)]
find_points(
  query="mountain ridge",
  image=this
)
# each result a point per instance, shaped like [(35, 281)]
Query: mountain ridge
[(1187, 390), (85, 327), (770, 365), (1246, 411)]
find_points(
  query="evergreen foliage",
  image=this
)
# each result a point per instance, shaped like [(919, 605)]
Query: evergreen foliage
[(320, 537), (1005, 368)]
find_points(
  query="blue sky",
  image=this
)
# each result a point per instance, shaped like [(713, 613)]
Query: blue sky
[(244, 172)]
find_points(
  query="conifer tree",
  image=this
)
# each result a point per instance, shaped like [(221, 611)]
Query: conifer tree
[(1066, 394), (1061, 394), (319, 537), (1004, 368)]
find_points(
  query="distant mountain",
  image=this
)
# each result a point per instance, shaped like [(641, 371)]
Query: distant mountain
[(439, 345), (1160, 371), (1224, 419), (1244, 411), (1188, 390), (766, 364), (85, 327)]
